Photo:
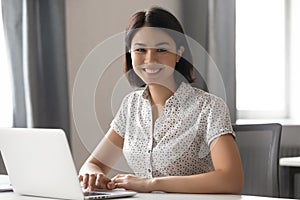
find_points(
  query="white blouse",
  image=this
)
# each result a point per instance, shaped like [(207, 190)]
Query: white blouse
[(178, 143)]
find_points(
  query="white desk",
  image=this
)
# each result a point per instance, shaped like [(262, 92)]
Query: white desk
[(290, 167), (145, 196), (155, 196)]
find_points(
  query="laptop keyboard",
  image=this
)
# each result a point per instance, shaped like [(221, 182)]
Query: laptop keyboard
[(93, 193)]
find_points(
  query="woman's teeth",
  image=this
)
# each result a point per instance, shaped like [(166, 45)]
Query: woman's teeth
[(152, 71)]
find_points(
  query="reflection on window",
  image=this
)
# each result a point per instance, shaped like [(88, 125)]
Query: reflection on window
[(6, 105)]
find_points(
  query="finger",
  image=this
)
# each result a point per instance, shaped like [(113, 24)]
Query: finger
[(119, 176), (85, 181), (120, 180), (92, 181), (117, 180), (110, 185), (102, 181), (80, 177), (121, 185)]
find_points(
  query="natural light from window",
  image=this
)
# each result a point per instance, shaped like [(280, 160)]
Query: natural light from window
[(294, 60), (6, 105), (260, 59)]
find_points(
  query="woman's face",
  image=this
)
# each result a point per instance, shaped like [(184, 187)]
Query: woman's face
[(154, 55)]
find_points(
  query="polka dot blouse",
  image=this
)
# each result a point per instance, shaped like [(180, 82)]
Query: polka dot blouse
[(177, 143)]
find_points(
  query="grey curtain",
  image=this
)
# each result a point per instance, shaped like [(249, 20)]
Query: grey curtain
[(212, 24), (12, 24), (35, 33)]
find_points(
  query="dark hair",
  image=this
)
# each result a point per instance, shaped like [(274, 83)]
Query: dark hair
[(160, 18)]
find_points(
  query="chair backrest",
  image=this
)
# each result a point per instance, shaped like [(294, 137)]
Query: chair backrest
[(259, 149)]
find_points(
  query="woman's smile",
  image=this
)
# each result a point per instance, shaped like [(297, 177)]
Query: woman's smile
[(152, 70), (154, 73)]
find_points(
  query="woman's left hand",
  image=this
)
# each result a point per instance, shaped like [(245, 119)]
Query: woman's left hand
[(132, 182)]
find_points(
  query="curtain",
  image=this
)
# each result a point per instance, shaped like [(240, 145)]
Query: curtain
[(35, 34), (12, 24), (212, 24)]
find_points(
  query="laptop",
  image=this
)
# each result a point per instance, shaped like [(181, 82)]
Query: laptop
[(39, 163)]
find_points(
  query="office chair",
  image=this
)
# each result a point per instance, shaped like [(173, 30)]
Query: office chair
[(259, 149)]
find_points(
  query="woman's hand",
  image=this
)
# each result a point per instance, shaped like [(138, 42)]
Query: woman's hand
[(96, 181), (132, 182)]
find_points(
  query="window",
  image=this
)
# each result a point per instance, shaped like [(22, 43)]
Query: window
[(6, 105), (265, 36), (294, 61)]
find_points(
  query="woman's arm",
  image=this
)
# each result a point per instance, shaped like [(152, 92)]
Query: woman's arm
[(226, 178), (93, 172)]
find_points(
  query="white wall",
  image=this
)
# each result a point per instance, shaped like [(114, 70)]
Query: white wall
[(89, 23)]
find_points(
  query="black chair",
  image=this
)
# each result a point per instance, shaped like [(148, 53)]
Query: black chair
[(259, 149)]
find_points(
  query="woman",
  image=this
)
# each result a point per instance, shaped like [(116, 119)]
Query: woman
[(176, 138)]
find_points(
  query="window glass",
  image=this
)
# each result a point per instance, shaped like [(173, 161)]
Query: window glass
[(260, 58), (294, 49)]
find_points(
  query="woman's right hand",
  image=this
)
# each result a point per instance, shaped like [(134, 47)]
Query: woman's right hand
[(96, 181), (92, 174)]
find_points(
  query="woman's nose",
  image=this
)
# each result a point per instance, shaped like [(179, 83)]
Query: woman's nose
[(150, 56)]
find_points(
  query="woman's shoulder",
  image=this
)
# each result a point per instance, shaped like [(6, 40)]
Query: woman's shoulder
[(207, 97), (135, 94)]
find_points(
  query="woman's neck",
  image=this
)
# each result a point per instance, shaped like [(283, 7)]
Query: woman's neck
[(160, 93)]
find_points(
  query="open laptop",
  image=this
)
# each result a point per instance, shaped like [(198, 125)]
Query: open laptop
[(39, 163)]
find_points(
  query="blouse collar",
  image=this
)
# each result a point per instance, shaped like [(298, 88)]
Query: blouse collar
[(183, 92)]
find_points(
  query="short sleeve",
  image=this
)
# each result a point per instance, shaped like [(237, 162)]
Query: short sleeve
[(218, 122), (118, 124)]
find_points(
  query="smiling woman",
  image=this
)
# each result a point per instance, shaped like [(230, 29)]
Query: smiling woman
[(6, 105), (175, 137)]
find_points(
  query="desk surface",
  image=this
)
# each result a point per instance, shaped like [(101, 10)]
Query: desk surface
[(146, 196), (155, 196), (290, 161)]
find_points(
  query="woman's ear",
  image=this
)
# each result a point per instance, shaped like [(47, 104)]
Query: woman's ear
[(180, 52)]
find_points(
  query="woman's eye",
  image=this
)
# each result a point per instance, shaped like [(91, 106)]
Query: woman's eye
[(140, 50), (162, 50)]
